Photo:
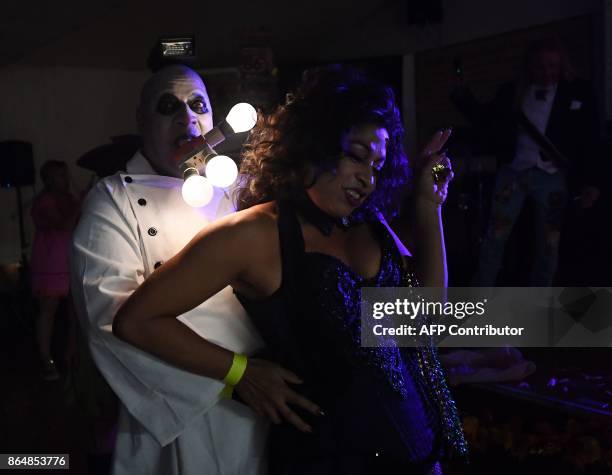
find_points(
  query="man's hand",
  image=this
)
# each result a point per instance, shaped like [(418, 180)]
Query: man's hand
[(264, 388)]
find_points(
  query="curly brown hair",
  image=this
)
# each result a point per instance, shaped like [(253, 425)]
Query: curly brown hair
[(307, 132)]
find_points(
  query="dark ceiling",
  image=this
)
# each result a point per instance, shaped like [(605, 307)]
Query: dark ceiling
[(119, 34)]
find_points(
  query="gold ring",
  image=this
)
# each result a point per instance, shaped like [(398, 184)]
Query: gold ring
[(440, 172)]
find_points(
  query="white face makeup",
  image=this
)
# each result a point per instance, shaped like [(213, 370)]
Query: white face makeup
[(174, 108), (339, 192)]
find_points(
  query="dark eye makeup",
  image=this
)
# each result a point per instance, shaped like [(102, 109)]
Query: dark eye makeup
[(198, 105), (169, 104)]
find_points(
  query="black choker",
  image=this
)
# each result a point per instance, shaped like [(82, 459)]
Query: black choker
[(317, 217)]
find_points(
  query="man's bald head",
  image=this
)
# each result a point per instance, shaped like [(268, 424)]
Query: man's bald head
[(166, 76), (174, 106)]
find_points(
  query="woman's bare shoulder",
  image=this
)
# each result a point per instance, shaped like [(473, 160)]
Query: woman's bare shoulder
[(246, 241), (259, 218), (253, 227)]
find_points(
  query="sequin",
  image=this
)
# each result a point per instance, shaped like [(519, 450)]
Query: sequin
[(312, 326), (340, 294)]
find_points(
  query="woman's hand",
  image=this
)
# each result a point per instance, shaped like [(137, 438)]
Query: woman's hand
[(264, 388), (427, 189)]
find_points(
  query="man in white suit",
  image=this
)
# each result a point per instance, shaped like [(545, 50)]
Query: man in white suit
[(171, 421)]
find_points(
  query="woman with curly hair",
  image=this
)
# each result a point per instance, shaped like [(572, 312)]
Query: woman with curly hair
[(321, 177)]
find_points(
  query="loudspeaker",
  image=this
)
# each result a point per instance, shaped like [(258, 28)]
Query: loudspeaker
[(421, 12), (16, 164)]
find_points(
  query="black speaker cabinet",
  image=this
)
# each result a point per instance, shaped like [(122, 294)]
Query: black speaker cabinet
[(16, 164)]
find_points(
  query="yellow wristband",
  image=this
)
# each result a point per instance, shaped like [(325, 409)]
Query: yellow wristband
[(236, 371), (227, 392)]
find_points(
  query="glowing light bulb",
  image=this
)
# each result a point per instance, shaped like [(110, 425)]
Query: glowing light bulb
[(221, 171), (197, 191), (242, 117)]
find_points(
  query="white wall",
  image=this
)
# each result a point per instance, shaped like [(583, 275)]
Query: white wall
[(64, 112)]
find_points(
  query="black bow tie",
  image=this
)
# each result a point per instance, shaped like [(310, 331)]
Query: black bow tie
[(540, 94)]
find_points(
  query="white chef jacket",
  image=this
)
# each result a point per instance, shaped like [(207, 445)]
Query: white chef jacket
[(172, 421)]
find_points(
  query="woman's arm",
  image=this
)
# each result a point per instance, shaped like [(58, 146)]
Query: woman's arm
[(429, 246), (224, 253), (215, 258), (430, 250)]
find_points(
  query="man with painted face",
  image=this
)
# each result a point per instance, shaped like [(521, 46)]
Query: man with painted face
[(171, 421), (544, 130)]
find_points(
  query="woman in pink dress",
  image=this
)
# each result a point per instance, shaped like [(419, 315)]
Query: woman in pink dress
[(55, 212)]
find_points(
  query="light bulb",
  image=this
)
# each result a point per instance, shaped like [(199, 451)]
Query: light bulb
[(242, 117), (197, 191), (221, 171)]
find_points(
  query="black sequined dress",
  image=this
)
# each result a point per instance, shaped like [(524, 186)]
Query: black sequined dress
[(380, 410)]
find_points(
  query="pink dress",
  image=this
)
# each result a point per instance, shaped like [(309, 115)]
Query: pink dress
[(54, 218)]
